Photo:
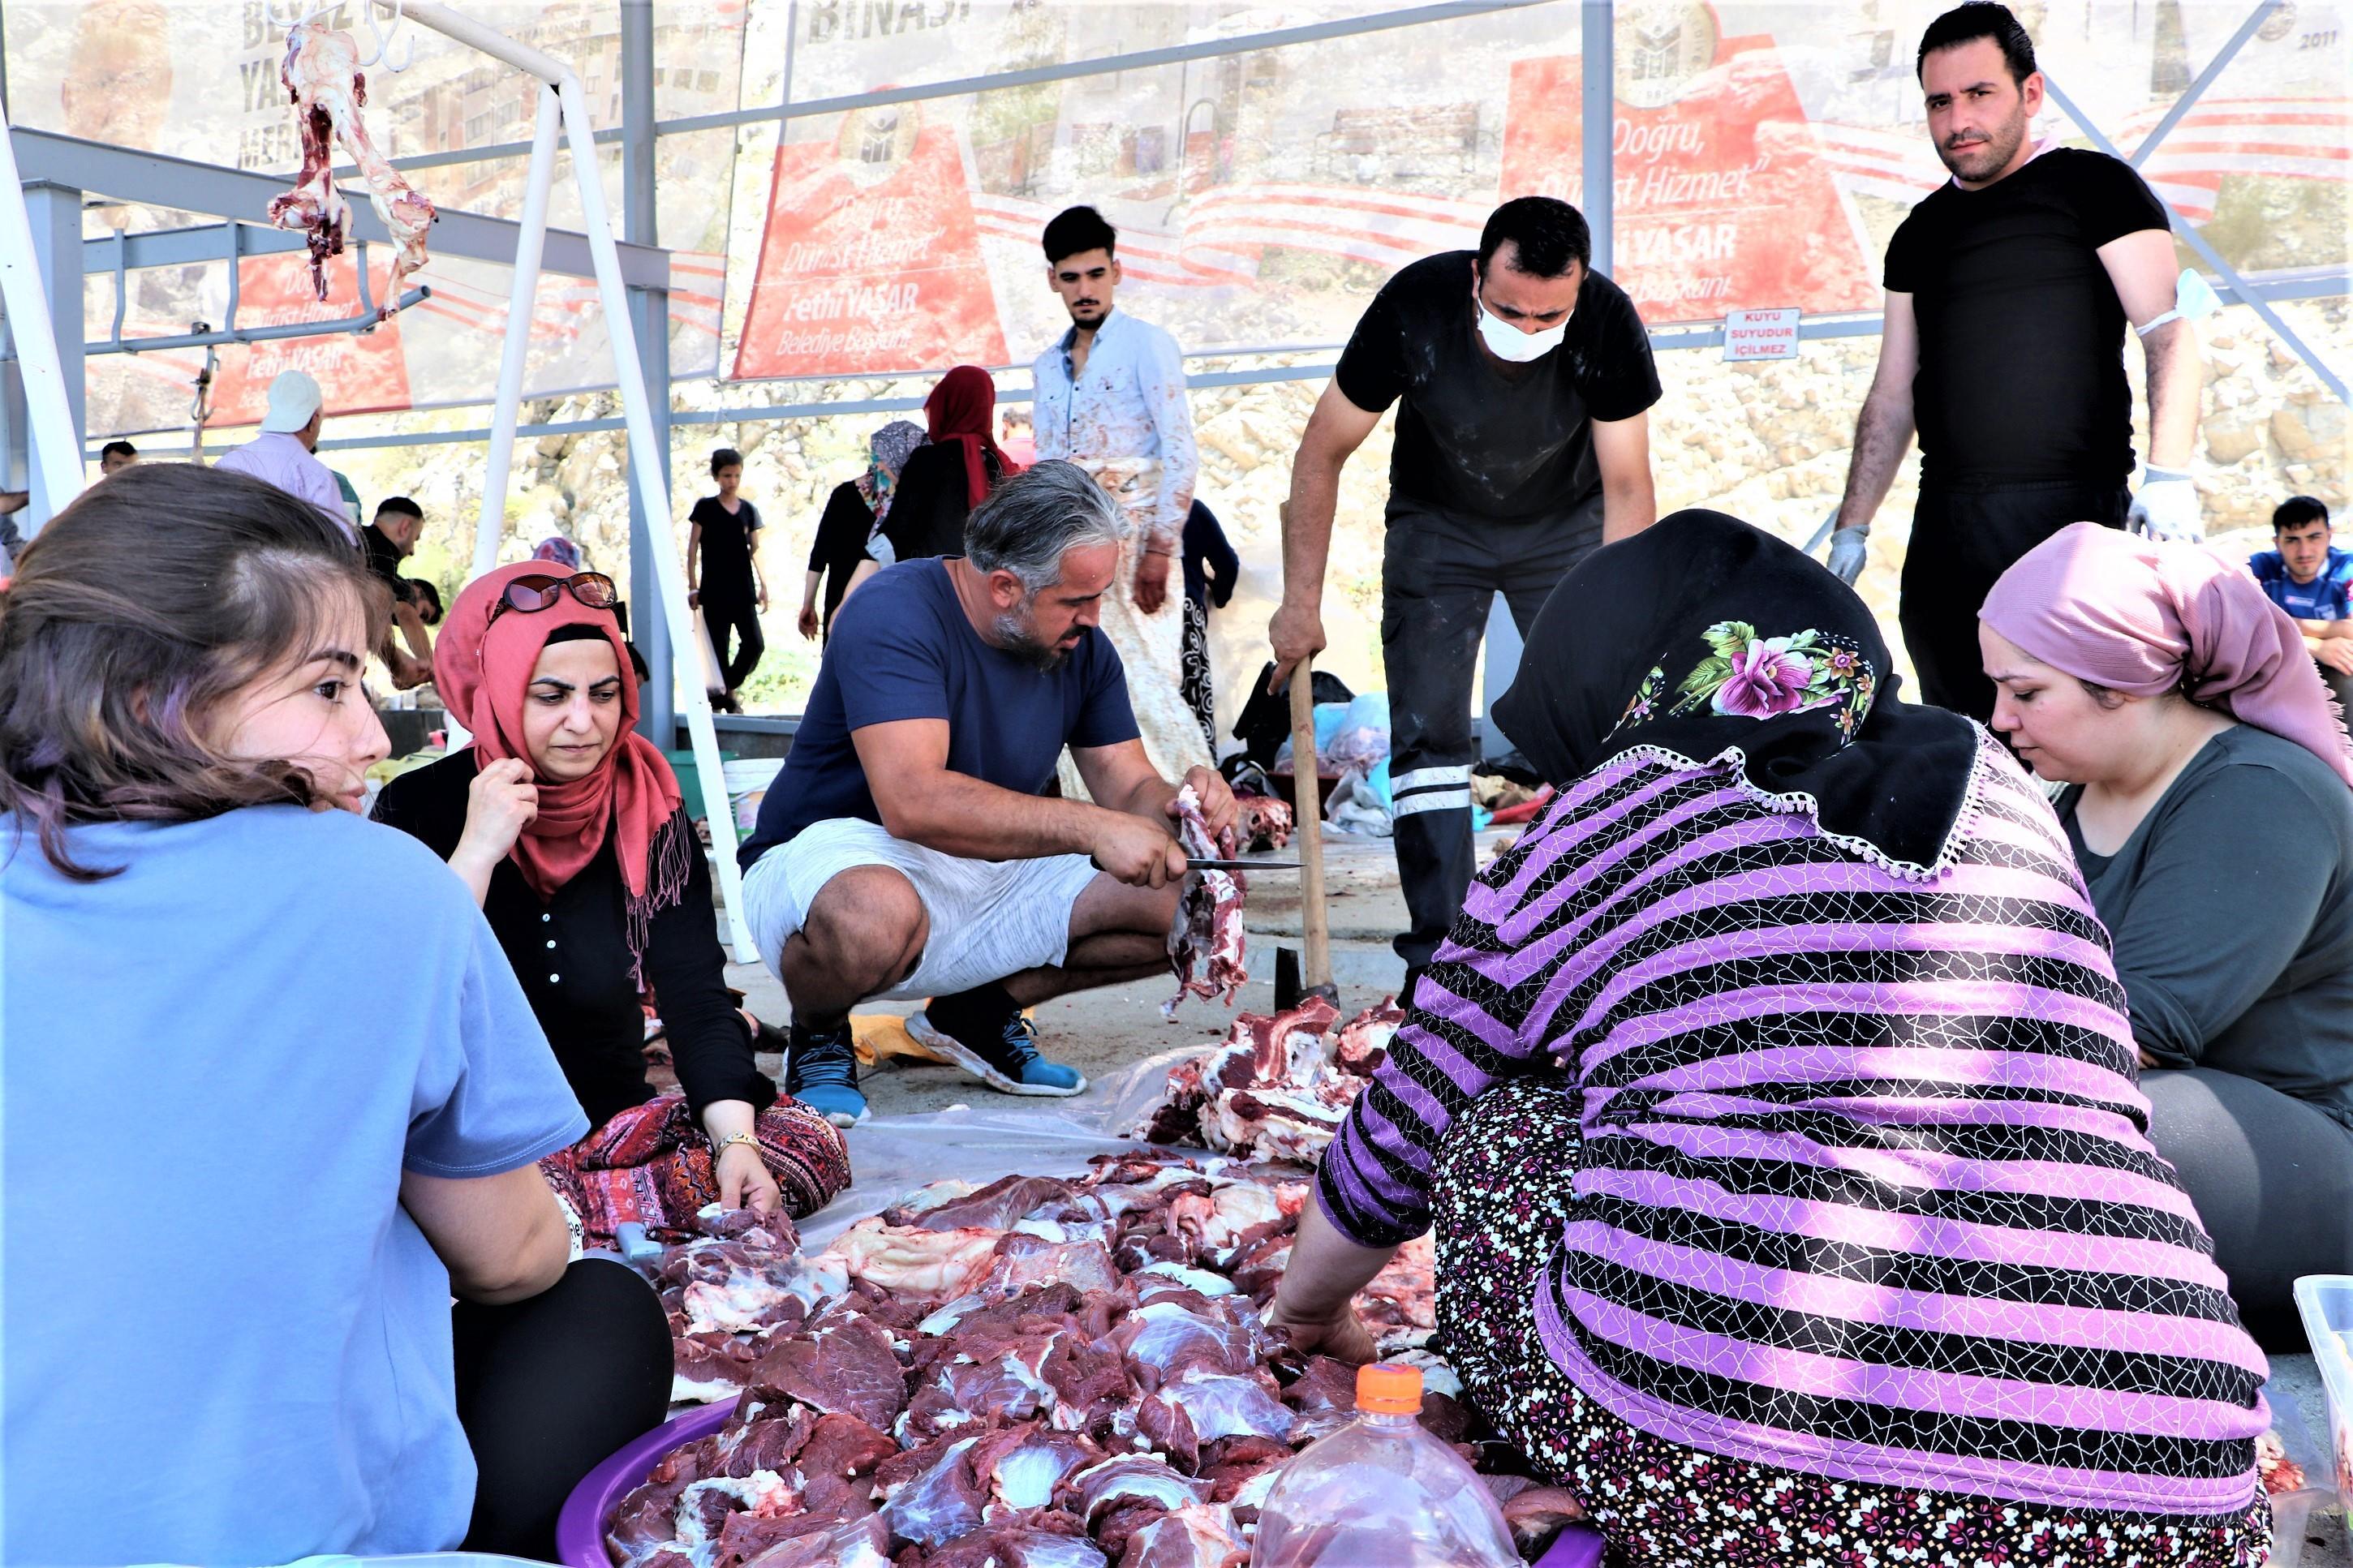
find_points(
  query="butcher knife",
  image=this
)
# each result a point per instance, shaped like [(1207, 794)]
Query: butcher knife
[(1242, 866)]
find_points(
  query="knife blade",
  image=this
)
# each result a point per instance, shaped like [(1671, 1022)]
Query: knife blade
[(1241, 865)]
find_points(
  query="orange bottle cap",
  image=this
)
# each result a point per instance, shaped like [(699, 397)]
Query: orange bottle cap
[(1385, 1390)]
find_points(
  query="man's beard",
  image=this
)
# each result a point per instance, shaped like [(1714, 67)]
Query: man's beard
[(1014, 634), (1991, 156)]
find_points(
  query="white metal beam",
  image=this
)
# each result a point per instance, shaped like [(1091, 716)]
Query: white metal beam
[(156, 180), (54, 456), (648, 460)]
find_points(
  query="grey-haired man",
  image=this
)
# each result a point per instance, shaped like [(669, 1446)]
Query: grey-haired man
[(908, 850)]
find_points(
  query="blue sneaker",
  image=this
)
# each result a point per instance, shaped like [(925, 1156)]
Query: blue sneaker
[(822, 1072), (1003, 1058)]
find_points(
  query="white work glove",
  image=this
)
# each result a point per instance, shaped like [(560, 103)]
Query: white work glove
[(2166, 507), (1848, 552)]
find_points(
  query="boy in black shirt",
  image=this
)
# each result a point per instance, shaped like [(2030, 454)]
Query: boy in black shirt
[(1523, 443), (2007, 292)]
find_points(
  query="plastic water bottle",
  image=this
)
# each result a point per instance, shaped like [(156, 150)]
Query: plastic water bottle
[(1382, 1490)]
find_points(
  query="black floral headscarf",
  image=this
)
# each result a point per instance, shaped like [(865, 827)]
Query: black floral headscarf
[(1704, 638)]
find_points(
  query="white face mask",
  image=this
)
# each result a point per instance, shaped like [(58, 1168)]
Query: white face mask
[(1507, 342)]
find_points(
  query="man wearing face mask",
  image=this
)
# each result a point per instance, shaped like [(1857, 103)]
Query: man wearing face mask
[(1523, 443), (2008, 295)]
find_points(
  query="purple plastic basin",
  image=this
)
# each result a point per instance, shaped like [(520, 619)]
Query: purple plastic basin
[(580, 1528), (1578, 1546)]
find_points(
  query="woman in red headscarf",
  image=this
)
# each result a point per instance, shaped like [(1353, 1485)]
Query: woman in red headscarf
[(569, 827), (943, 482)]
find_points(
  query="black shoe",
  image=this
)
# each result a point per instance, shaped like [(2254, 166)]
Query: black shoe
[(1002, 1052), (822, 1072)]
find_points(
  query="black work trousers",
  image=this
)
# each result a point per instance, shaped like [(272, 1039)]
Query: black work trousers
[(730, 622), (548, 1388), (1441, 571), (1964, 537)]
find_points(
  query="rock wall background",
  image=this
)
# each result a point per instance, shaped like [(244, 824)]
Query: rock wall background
[(1768, 442)]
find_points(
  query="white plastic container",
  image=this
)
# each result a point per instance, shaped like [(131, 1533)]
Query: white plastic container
[(748, 780), (1381, 1489), (2326, 1303)]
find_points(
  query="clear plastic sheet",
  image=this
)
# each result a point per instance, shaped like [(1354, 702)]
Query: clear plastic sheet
[(891, 1156)]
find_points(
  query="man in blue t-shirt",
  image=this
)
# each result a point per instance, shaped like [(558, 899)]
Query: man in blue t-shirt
[(908, 849), (2312, 580)]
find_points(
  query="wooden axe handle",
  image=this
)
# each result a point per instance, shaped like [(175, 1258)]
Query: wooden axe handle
[(1314, 926)]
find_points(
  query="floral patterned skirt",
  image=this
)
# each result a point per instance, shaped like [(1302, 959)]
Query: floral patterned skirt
[(651, 1164), (1503, 1194)]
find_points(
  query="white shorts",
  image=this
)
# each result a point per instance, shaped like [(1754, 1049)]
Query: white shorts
[(989, 918)]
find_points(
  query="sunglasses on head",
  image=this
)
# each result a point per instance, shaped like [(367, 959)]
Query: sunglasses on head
[(536, 592)]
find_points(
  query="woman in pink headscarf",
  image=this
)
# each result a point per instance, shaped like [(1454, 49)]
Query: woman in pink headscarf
[(2209, 803)]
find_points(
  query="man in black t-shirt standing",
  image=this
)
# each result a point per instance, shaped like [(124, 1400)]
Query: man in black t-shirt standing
[(2008, 294), (388, 540), (1523, 443)]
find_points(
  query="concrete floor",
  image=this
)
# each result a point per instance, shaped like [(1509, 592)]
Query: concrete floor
[(1101, 1032)]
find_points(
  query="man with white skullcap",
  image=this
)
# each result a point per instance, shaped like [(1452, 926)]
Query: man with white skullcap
[(284, 453)]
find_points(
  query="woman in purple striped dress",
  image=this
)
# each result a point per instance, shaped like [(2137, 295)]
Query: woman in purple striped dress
[(1773, 1106)]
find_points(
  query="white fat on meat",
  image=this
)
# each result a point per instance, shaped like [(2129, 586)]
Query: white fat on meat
[(1219, 1405), (1219, 1218), (1198, 1535), (1199, 1281), (747, 1299), (763, 1494), (1272, 1124), (920, 1262)]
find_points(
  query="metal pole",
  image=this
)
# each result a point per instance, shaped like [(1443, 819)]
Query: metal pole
[(2196, 242), (649, 322), (499, 468), (649, 474), (40, 260), (1601, 105)]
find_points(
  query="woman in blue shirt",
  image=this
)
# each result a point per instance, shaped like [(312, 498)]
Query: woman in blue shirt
[(242, 1301)]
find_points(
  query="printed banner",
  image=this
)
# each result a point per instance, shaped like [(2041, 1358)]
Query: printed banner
[(1723, 200), (359, 373), (871, 261)]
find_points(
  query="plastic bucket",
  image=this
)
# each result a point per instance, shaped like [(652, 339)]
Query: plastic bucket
[(690, 779), (749, 780), (580, 1527), (1578, 1546)]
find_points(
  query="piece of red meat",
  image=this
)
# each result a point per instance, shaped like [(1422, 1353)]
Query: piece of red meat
[(932, 1497), (846, 1366), (1025, 1262), (999, 1206), (1203, 1535), (837, 1463), (1166, 1338), (1199, 1407), (1206, 934), (1037, 1539), (1127, 1481), (1363, 1044), (765, 1442)]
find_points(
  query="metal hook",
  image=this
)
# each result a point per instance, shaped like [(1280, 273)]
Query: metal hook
[(293, 17), (383, 37)]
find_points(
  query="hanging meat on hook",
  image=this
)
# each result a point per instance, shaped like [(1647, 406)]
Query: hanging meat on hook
[(321, 71)]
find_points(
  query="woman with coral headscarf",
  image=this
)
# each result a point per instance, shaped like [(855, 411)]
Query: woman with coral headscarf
[(942, 482), (569, 827), (2209, 803)]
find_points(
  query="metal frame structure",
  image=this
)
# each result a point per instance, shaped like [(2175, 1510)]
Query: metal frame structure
[(642, 369)]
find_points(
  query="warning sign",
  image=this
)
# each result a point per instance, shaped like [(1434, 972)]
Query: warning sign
[(1761, 334)]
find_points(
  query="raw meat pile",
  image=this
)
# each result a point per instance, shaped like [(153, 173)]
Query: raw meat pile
[(1265, 823), (1209, 925), (321, 71), (1043, 1372), (1278, 1087)]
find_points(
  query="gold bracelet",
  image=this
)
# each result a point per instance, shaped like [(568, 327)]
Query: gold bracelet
[(732, 1140)]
